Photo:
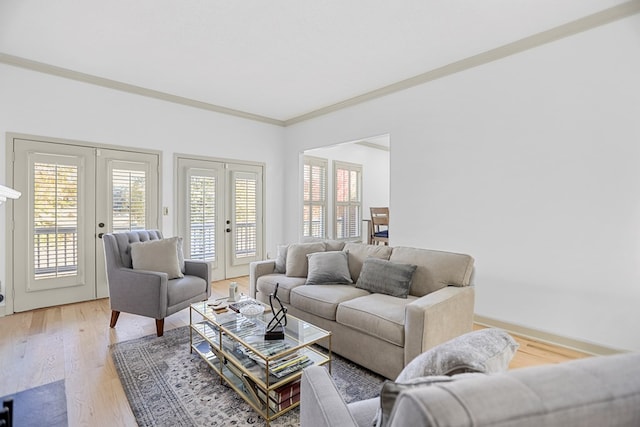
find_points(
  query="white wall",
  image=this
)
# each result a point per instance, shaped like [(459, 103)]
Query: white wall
[(530, 164), (45, 105), (375, 174)]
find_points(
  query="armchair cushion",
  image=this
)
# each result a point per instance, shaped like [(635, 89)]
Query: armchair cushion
[(157, 255)]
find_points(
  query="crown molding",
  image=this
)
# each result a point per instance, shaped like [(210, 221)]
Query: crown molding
[(571, 28), (125, 87), (586, 23)]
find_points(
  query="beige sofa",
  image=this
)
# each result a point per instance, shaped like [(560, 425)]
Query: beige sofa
[(376, 330)]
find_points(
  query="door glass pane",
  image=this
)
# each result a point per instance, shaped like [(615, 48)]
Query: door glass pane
[(55, 220), (202, 217), (246, 217), (129, 199)]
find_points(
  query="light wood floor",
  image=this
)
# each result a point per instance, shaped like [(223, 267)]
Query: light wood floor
[(71, 342)]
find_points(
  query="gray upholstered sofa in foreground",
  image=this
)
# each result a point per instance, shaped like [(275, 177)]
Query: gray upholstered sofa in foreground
[(593, 392), (376, 326)]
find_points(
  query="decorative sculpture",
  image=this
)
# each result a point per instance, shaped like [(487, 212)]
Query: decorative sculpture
[(275, 327)]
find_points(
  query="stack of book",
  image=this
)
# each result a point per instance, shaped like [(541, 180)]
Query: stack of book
[(282, 397)]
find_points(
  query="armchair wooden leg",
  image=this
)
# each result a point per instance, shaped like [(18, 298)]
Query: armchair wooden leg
[(114, 318), (160, 327)]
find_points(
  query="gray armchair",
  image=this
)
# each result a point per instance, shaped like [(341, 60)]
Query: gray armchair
[(150, 293)]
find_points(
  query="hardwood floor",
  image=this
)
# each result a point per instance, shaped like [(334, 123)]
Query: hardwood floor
[(71, 342)]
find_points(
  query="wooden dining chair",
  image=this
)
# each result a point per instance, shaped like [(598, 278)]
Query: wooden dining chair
[(380, 226)]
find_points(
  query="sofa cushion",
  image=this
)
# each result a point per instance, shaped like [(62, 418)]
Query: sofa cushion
[(358, 252), (386, 277), (485, 350), (267, 285), (323, 300), (379, 315), (436, 269), (328, 267), (297, 265), (157, 255)]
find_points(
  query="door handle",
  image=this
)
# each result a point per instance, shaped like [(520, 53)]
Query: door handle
[(228, 230), (100, 235)]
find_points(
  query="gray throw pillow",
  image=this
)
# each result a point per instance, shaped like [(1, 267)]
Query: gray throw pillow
[(485, 350), (281, 259), (157, 255), (386, 277), (328, 267)]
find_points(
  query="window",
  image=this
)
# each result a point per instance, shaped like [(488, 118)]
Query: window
[(315, 197), (129, 210), (202, 215), (348, 200), (55, 219)]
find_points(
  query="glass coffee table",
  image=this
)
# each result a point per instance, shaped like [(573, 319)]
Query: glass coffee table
[(265, 373)]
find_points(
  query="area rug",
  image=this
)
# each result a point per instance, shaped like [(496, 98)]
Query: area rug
[(168, 386), (38, 406)]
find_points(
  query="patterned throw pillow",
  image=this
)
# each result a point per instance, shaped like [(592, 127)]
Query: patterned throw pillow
[(386, 277)]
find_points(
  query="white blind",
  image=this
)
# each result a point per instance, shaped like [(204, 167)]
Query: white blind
[(202, 217), (348, 200), (55, 220), (315, 197), (129, 199), (246, 216)]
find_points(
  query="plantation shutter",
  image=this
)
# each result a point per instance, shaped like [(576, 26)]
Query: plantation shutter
[(315, 198), (245, 190), (129, 199), (202, 216), (348, 200), (55, 220)]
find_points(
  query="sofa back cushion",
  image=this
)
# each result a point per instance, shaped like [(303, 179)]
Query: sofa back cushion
[(358, 252), (436, 269), (296, 264)]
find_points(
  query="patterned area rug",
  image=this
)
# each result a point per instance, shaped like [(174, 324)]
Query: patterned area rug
[(168, 386)]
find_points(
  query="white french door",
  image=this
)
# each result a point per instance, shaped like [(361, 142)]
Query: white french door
[(220, 214), (71, 194)]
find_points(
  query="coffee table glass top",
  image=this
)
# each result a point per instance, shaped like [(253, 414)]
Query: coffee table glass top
[(243, 340)]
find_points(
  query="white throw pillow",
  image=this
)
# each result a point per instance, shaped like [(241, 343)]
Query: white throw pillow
[(157, 255)]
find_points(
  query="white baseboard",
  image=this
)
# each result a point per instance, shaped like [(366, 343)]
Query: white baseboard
[(547, 337)]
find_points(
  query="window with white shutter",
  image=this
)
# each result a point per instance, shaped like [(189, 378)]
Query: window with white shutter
[(314, 222), (245, 190), (55, 220), (202, 216), (347, 200), (129, 199)]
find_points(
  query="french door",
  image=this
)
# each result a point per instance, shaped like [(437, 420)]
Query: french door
[(70, 195), (220, 214)]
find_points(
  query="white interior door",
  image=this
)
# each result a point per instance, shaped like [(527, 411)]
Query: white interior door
[(71, 194), (220, 214)]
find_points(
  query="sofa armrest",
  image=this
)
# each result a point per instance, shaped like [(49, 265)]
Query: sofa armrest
[(138, 291), (321, 404), (200, 269), (437, 317), (257, 269)]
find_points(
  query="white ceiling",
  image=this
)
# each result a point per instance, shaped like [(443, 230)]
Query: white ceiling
[(279, 59)]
